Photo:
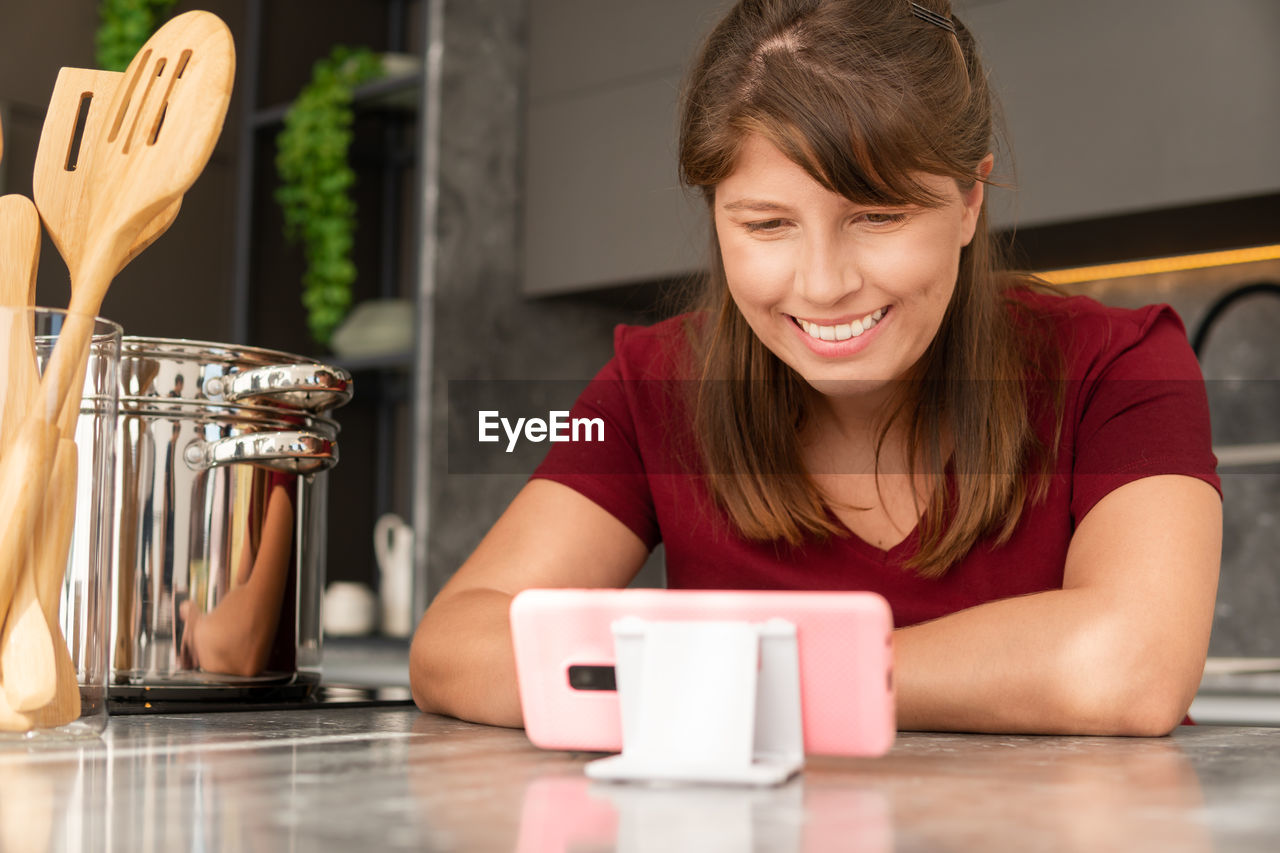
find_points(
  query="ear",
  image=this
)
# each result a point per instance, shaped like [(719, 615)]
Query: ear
[(973, 197)]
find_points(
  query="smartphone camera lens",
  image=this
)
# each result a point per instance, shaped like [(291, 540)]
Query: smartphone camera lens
[(592, 677)]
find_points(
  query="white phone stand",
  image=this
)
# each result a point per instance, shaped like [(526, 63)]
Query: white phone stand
[(706, 701)]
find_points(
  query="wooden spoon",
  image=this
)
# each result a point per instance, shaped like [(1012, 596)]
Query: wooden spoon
[(34, 659), (27, 654), (53, 531), (26, 649), (19, 255)]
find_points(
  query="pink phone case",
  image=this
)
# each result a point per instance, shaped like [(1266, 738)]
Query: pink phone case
[(844, 642)]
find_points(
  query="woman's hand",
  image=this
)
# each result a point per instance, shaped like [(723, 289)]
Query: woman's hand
[(1119, 650), (461, 662)]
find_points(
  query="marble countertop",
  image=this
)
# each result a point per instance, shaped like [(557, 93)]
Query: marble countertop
[(392, 778), (1239, 691)]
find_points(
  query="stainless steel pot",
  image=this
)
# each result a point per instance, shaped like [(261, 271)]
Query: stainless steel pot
[(220, 524)]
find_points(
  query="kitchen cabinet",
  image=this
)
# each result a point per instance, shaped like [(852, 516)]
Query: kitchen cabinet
[(603, 205), (380, 427), (1111, 108), (1146, 104)]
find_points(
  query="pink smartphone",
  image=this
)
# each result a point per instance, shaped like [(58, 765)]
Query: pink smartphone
[(564, 660)]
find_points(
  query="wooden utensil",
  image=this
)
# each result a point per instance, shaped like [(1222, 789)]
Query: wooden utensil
[(74, 124), (41, 678), (35, 664), (163, 122), (53, 531), (28, 657), (19, 254), (26, 649), (80, 102), (43, 687)]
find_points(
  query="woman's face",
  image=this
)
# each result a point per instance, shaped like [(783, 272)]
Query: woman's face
[(836, 290)]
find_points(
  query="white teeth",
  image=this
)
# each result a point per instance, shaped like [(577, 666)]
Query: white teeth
[(844, 331)]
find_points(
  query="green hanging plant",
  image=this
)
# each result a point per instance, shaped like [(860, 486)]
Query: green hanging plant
[(123, 27), (315, 183)]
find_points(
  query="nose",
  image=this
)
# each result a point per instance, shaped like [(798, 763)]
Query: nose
[(826, 271)]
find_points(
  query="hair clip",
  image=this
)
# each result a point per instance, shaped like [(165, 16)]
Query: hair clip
[(932, 17)]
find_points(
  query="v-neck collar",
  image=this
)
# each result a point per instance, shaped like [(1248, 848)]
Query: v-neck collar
[(898, 553)]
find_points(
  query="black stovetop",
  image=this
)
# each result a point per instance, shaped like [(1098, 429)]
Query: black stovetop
[(160, 701)]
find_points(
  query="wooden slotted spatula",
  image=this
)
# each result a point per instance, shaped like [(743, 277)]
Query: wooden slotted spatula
[(73, 127), (160, 129)]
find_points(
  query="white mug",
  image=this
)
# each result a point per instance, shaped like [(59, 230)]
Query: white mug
[(393, 546), (349, 609)]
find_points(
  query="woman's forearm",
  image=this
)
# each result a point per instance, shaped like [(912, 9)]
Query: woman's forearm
[(462, 664), (1119, 650), (1056, 662)]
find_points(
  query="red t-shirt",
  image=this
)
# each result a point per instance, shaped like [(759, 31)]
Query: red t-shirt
[(1134, 406)]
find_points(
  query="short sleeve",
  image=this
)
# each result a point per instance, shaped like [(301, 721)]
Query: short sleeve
[(1143, 412), (610, 471)]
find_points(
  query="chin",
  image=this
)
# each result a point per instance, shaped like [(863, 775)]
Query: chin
[(851, 388)]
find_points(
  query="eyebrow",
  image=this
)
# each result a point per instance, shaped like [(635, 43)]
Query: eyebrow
[(756, 205)]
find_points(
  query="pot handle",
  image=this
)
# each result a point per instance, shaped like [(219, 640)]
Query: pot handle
[(315, 387), (293, 452)]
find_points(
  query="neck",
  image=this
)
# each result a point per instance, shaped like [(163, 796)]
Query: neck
[(857, 417), (844, 433)]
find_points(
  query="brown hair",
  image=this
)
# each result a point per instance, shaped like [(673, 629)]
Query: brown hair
[(865, 96)]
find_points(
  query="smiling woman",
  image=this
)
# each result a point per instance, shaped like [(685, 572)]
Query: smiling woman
[(863, 400)]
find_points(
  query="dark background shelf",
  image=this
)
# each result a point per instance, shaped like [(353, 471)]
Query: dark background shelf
[(371, 97), (276, 55)]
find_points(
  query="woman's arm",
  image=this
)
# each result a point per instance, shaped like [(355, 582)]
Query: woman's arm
[(236, 636), (461, 662), (1118, 651)]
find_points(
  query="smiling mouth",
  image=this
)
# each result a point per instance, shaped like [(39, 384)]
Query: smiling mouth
[(842, 331)]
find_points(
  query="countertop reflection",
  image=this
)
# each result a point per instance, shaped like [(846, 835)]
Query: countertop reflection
[(391, 778)]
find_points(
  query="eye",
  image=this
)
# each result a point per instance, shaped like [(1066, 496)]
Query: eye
[(881, 217), (765, 226)]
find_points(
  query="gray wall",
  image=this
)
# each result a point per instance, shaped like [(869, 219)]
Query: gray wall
[(485, 328)]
